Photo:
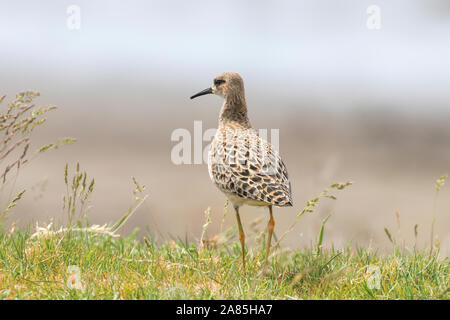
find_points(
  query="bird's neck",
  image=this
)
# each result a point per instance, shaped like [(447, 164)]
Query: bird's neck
[(234, 113)]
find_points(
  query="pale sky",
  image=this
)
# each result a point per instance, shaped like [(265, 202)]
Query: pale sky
[(312, 46)]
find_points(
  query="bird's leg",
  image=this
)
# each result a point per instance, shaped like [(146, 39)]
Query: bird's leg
[(270, 227), (241, 236)]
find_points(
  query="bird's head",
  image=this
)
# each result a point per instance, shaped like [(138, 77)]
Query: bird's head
[(226, 85)]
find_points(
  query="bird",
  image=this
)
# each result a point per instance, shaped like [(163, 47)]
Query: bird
[(242, 164)]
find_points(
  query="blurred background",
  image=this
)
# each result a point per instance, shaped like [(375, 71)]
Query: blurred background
[(352, 102)]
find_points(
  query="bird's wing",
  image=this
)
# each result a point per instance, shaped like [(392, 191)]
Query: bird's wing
[(246, 165)]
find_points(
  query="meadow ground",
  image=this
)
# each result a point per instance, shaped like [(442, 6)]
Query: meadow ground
[(91, 263)]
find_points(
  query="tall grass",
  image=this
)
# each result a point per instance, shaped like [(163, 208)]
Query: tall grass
[(18, 123), (87, 265), (84, 261), (438, 185)]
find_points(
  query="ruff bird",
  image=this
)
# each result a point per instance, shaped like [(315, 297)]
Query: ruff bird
[(243, 165)]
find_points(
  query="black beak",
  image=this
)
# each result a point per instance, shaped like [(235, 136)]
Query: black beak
[(201, 93)]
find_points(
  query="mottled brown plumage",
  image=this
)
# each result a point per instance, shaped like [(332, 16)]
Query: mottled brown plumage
[(247, 169), (244, 166)]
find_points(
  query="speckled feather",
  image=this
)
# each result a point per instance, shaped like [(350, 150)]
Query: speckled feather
[(242, 164)]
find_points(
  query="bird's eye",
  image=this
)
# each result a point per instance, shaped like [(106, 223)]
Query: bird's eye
[(218, 82)]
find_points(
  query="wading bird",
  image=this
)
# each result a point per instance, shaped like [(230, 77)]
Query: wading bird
[(244, 166)]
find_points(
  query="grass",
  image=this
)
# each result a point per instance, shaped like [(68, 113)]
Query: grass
[(40, 266), (82, 261)]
